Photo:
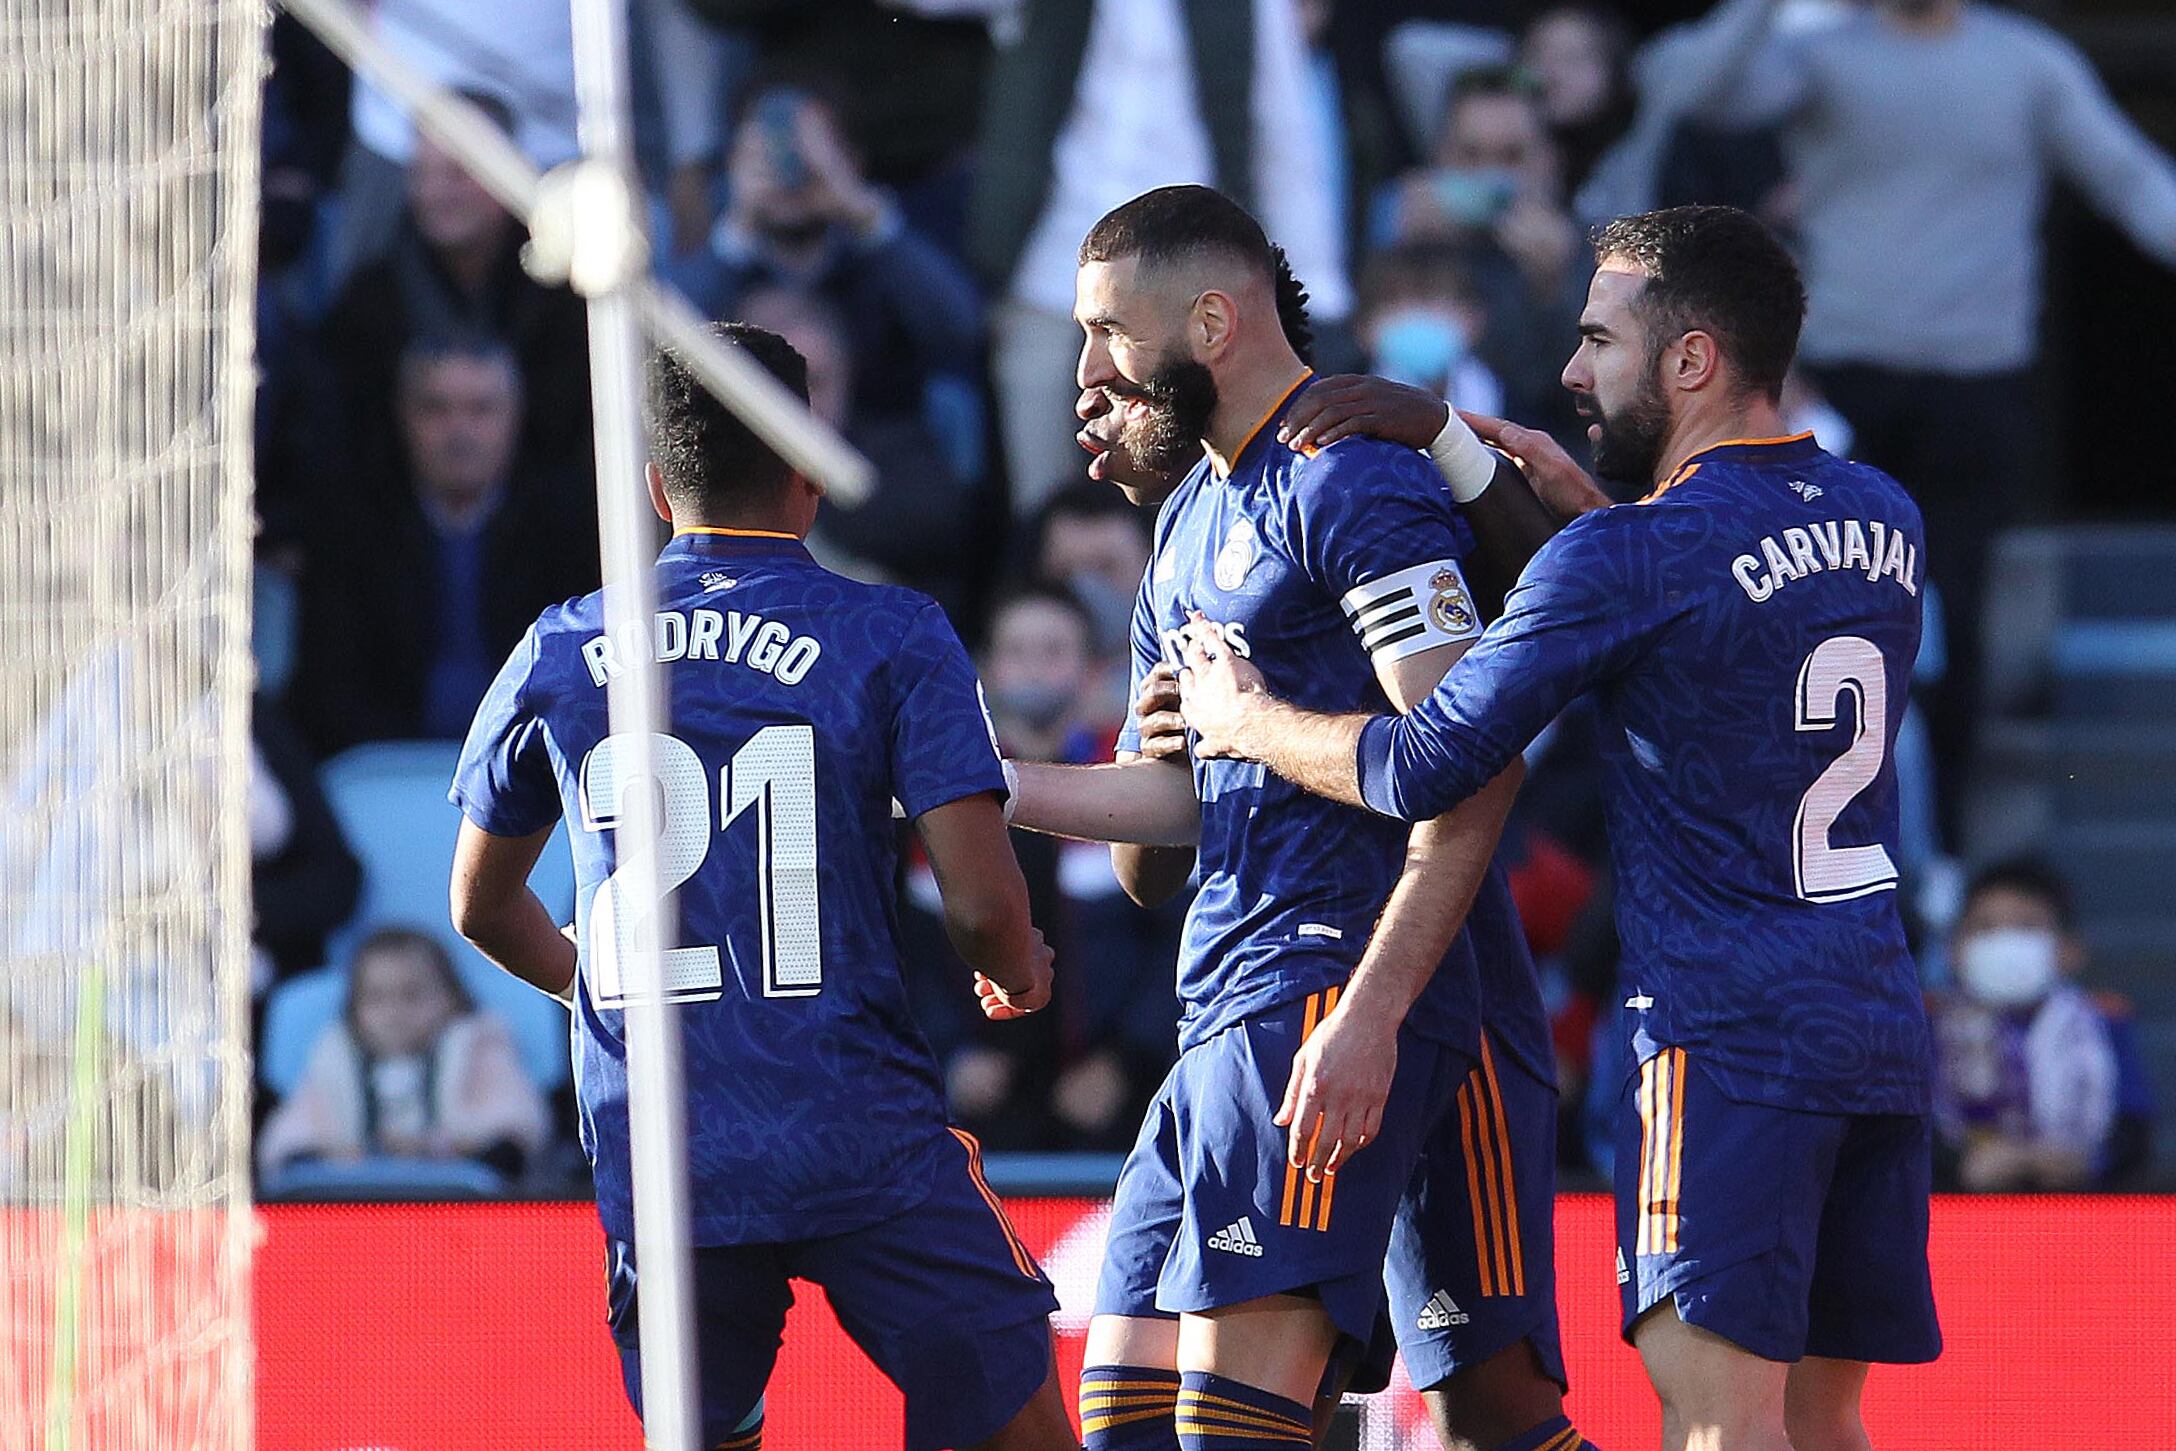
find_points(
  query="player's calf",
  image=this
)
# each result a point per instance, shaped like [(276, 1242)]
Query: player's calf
[(1506, 1403), (1821, 1405)]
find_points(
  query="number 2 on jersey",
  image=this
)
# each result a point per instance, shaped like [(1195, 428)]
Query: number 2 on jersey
[(1840, 666), (772, 776)]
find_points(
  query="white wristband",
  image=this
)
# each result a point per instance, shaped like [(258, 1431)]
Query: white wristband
[(1467, 464), (1012, 787)]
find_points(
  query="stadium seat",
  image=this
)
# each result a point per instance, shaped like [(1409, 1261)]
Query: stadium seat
[(390, 798)]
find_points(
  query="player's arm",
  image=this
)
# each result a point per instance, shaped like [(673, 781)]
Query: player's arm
[(1153, 875), (1341, 1077), (986, 903), (495, 910), (1515, 485), (1138, 801), (1573, 619)]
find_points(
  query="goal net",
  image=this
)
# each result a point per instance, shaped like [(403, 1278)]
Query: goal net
[(128, 174)]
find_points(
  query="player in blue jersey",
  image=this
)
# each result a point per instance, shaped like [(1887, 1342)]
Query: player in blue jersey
[(1749, 631), (802, 704), (1317, 1061), (1471, 1281)]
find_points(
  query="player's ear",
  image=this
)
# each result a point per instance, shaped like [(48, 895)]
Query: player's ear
[(1694, 363), (1209, 328), (655, 478)]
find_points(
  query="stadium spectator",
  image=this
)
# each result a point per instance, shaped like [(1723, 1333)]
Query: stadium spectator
[(454, 266), (1921, 136), (1492, 193), (412, 1070), (1420, 322), (2026, 1084), (803, 215), (1580, 58), (408, 610), (918, 526), (1088, 538), (1101, 100), (303, 880), (517, 52)]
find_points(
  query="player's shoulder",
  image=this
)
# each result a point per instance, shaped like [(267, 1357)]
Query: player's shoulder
[(1360, 462)]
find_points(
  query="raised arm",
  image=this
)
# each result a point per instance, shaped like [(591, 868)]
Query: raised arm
[(1153, 875), (1587, 603), (1138, 801), (2127, 178)]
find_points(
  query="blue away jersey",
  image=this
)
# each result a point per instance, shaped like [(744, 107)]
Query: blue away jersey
[(1315, 568), (801, 704), (1750, 633)]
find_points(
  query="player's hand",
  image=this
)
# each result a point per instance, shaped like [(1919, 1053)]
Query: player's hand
[(1563, 487), (1156, 711), (1333, 408), (1217, 693), (1333, 1102), (1001, 1004)]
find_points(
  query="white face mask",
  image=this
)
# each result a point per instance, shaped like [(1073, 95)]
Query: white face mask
[(2010, 966)]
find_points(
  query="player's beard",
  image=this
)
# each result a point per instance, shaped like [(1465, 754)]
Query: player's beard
[(1178, 398), (1630, 445)]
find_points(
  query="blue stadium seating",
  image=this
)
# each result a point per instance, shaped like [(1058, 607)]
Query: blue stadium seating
[(390, 799)]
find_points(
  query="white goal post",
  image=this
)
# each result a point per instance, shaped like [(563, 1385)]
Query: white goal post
[(128, 236)]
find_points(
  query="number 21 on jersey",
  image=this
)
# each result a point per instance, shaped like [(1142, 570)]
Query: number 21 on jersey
[(771, 778)]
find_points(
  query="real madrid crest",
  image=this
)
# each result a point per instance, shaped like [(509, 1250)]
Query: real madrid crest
[(1449, 609), (1236, 557)]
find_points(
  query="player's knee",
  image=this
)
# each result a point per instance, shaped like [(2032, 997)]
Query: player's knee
[(1824, 1426), (1492, 1403)]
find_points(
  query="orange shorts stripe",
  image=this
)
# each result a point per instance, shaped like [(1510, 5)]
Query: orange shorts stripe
[(1677, 1149), (1492, 1192), (1020, 1256), (1293, 1212), (1473, 1186), (1645, 1191), (1509, 1224)]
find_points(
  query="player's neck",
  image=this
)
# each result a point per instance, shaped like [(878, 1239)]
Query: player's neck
[(1732, 423), (1246, 397)]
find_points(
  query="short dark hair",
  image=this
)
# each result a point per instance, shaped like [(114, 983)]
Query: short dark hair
[(1082, 499), (2028, 876), (1038, 590), (1299, 328), (1720, 270), (430, 348), (712, 462), (1176, 223), (410, 940)]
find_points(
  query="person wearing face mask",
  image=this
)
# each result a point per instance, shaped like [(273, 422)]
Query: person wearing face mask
[(1420, 321), (2027, 1081)]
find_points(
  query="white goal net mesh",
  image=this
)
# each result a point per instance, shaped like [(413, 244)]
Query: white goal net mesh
[(128, 174)]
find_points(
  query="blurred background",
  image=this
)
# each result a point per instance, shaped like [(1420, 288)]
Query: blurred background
[(1984, 202)]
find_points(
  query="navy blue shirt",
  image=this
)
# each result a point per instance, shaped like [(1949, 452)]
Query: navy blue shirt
[(1316, 568), (1749, 633), (801, 704)]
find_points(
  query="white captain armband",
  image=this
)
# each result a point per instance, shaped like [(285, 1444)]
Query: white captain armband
[(1413, 610)]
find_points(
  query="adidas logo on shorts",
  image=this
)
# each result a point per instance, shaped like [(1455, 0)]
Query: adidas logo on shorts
[(1237, 1238), (1441, 1312)]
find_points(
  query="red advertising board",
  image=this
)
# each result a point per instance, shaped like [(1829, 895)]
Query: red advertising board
[(480, 1328)]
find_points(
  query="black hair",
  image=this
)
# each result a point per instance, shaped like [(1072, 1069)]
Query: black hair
[(1299, 328), (1036, 589), (1432, 270), (1081, 499), (423, 945), (713, 463), (428, 348), (2028, 876), (1721, 271), (1177, 223)]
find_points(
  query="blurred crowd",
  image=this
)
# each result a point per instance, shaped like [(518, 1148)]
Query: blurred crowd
[(898, 187)]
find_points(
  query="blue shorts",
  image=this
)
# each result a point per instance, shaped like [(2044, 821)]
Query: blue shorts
[(943, 1297), (1208, 1212), (1472, 1267), (1787, 1233)]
